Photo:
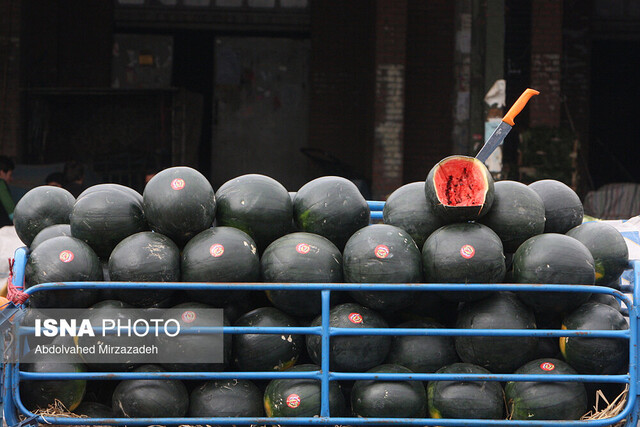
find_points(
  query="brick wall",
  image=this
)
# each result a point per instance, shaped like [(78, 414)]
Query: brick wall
[(546, 51), (9, 77), (429, 86), (390, 42)]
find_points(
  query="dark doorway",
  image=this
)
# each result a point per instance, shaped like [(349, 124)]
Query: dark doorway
[(615, 112), (193, 70)]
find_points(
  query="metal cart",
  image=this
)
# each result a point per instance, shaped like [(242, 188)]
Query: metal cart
[(15, 413)]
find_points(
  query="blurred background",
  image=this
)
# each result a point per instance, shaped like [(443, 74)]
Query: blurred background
[(374, 90)]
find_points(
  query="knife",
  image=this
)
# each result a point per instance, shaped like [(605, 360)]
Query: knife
[(505, 126)]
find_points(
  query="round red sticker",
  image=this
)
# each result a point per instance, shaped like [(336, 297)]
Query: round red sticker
[(355, 318), (66, 256), (188, 316), (293, 400), (178, 184), (381, 251), (216, 250), (303, 248), (547, 366), (467, 251)]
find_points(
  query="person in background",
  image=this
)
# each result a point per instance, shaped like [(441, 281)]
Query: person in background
[(8, 204), (73, 176), (54, 178)]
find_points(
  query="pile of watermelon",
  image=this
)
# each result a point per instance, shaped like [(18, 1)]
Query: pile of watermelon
[(457, 227)]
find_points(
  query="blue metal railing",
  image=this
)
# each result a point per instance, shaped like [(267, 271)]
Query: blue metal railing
[(15, 409)]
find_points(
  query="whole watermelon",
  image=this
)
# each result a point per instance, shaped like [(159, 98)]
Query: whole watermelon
[(63, 259), (501, 310), (382, 253), (256, 204), (466, 252), (331, 206), (553, 258), (39, 208), (300, 258), (179, 202), (219, 254), (408, 209), (144, 257), (103, 218)]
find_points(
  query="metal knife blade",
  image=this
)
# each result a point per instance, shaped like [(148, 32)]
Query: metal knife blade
[(505, 126)]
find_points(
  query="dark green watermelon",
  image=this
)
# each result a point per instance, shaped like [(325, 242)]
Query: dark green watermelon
[(351, 352), (63, 259), (155, 398), (463, 253), (430, 306), (42, 393), (389, 399), (256, 204), (105, 217), (299, 397), (607, 299), (112, 186), (186, 344), (465, 399), (266, 352), (39, 208), (500, 310), (300, 258), (542, 400), (49, 232), (563, 209), (97, 313), (609, 250), (226, 398), (517, 213), (408, 209), (553, 258), (144, 257), (219, 254), (179, 202), (598, 356), (422, 353), (382, 253), (331, 206), (459, 188)]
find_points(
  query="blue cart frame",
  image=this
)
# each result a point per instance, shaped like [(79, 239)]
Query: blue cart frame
[(16, 414)]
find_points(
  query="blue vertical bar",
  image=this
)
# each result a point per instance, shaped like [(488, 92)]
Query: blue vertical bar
[(20, 262), (633, 344), (324, 361), (9, 409)]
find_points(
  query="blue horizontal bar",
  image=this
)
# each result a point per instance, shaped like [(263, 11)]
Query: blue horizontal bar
[(263, 375), (332, 421), (317, 330), (336, 376), (623, 334), (376, 215), (341, 376), (375, 205), (296, 330), (456, 287)]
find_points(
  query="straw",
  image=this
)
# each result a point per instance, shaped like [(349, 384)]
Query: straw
[(610, 409), (56, 409)]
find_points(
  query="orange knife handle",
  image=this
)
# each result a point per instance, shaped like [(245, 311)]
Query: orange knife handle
[(518, 106)]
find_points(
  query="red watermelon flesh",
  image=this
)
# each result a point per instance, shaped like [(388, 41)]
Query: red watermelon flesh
[(460, 183)]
